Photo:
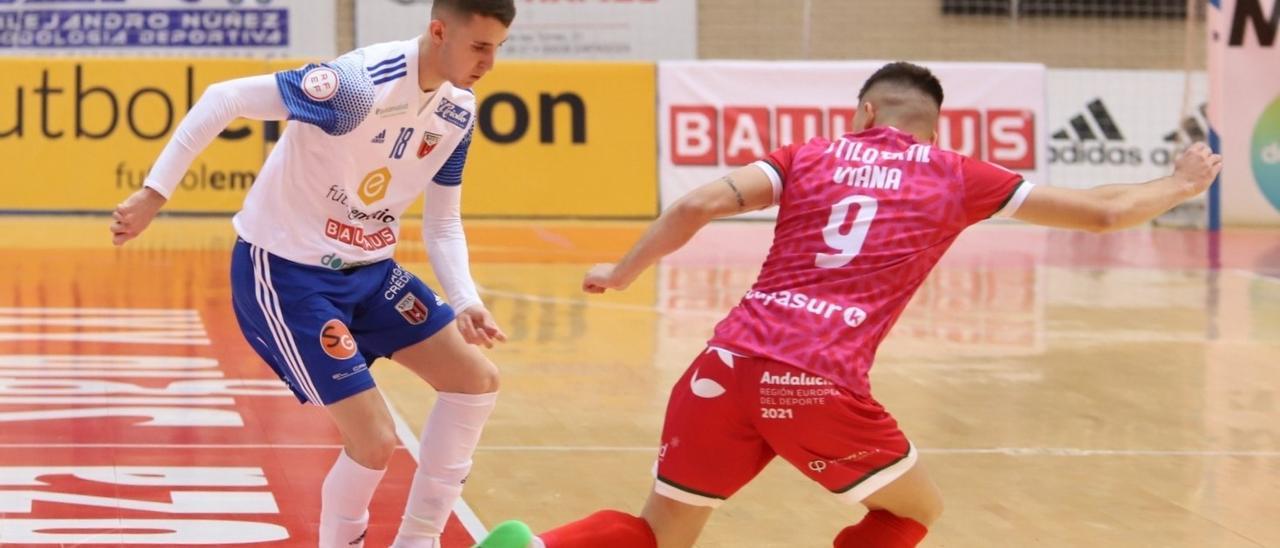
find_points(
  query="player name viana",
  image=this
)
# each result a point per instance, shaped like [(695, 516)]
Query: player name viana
[(889, 178), (870, 175)]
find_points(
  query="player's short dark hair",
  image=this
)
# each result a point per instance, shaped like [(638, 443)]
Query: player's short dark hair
[(907, 75), (502, 10)]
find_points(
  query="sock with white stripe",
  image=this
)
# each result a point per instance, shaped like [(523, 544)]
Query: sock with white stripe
[(444, 455), (344, 503)]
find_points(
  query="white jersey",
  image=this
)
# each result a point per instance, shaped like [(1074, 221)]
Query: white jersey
[(333, 190)]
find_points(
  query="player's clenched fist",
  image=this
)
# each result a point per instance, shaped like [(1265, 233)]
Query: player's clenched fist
[(1198, 166), (600, 278), (133, 215)]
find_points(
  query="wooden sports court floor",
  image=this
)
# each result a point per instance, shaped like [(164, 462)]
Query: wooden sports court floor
[(1065, 389)]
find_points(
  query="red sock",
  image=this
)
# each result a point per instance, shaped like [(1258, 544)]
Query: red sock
[(604, 528), (881, 529)]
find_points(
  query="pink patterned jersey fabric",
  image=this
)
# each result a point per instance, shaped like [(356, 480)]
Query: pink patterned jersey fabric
[(862, 221)]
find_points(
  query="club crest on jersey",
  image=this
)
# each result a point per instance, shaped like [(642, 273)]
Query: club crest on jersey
[(320, 83), (412, 309), (429, 142), (453, 114)]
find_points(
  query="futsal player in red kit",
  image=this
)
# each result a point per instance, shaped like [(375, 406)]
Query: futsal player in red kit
[(863, 219)]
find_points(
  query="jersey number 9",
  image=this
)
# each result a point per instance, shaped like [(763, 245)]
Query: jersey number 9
[(849, 244)]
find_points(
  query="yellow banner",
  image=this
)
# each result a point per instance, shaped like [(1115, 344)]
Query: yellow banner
[(82, 135), (553, 139), (565, 139)]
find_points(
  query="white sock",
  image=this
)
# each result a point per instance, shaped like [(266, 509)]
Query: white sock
[(344, 503), (444, 456)]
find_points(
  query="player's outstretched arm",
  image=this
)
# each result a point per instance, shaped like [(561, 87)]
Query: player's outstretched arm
[(447, 250), (255, 97), (745, 189), (1115, 207)]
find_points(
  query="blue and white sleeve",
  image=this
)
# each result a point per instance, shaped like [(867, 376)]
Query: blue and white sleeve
[(335, 96), (450, 173)]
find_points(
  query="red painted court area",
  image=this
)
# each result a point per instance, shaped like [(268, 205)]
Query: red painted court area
[(133, 413)]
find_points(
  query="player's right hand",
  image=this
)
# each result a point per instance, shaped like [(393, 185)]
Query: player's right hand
[(133, 215), (601, 278), (478, 326), (1197, 166)]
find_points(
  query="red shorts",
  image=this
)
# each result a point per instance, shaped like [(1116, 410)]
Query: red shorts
[(730, 415)]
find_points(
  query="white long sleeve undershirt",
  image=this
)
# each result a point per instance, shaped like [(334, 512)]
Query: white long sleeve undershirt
[(447, 244), (255, 97)]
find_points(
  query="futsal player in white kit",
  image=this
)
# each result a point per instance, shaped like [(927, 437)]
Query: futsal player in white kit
[(314, 285)]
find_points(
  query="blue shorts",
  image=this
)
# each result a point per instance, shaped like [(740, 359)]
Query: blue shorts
[(320, 329)]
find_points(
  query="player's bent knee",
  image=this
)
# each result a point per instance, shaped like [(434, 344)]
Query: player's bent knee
[(929, 512), (490, 379), (926, 510), (482, 378), (924, 507), (375, 449), (674, 523), (930, 505)]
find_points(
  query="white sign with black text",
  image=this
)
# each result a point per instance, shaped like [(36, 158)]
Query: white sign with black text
[(1121, 126), (223, 28), (577, 29)]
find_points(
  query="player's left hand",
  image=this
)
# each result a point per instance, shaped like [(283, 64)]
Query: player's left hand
[(478, 326), (133, 215), (602, 277)]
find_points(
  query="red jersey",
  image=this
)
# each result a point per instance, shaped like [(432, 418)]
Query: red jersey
[(862, 221)]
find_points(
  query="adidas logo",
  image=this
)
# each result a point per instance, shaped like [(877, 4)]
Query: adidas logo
[(1084, 131), (1093, 138), (359, 541), (380, 138)]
